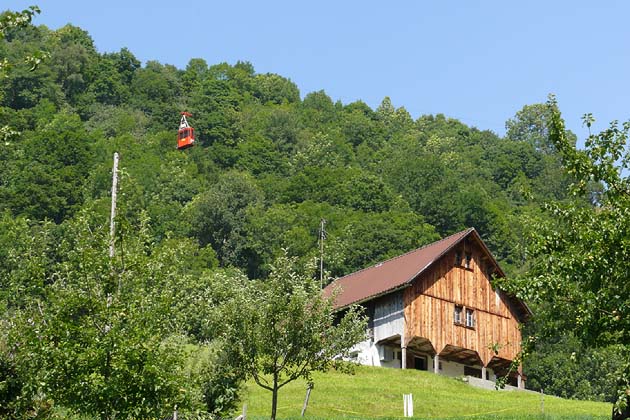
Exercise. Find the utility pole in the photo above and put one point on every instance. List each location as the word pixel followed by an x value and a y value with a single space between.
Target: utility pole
pixel 322 236
pixel 112 223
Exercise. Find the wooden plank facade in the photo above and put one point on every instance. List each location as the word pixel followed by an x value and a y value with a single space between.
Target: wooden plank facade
pixel 431 299
pixel 436 305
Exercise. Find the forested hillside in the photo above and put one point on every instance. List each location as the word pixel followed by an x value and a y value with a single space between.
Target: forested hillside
pixel 268 166
pixel 270 162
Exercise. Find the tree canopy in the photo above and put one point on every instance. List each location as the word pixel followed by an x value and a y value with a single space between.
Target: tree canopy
pixel 578 248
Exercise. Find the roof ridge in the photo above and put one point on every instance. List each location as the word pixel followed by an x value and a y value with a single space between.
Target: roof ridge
pixel 466 231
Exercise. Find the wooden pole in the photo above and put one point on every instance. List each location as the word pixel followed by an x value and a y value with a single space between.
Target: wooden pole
pixel 322 235
pixel 112 223
pixel 308 395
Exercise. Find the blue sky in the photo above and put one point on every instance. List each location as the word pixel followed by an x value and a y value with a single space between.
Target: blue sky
pixel 477 61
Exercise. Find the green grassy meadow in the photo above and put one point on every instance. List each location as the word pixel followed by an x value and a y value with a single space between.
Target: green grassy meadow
pixel 378 393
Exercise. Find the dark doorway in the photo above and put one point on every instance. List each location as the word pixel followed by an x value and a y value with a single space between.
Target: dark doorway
pixel 420 363
pixel 471 371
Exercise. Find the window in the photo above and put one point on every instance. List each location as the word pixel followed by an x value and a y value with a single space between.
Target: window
pixel 468 261
pixel 457 314
pixel 470 318
pixel 458 258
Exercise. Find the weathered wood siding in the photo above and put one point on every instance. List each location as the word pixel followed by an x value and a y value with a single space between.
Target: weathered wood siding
pixel 388 316
pixel 430 303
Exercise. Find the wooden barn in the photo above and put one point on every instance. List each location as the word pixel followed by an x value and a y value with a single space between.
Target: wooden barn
pixel 435 309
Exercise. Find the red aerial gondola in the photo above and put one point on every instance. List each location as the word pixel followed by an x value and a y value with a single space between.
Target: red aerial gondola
pixel 185 134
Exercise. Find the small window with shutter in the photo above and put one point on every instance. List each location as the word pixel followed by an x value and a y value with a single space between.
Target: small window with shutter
pixel 470 318
pixel 457 314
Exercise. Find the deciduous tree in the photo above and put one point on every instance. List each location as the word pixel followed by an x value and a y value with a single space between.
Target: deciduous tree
pixel 291 329
pixel 580 253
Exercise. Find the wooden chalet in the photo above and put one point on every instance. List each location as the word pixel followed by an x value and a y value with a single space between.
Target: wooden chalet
pixel 435 309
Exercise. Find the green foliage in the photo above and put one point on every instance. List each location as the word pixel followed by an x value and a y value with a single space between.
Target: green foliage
pixel 293 331
pixel 47 181
pixel 276 89
pixel 14 20
pixel 372 237
pixel 565 368
pixel 25 254
pixel 218 216
pixel 221 380
pixel 104 337
pixel 215 107
pixel 580 253
pixel 99 350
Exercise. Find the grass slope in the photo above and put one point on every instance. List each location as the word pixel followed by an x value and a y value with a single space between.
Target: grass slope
pixel 378 393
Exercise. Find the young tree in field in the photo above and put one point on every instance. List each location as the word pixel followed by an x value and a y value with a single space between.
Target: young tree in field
pixel 290 329
pixel 580 254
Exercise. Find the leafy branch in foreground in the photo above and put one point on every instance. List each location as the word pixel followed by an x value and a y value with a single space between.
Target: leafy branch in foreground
pixel 10 20
pixel 580 253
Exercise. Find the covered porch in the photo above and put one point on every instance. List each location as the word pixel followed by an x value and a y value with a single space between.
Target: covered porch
pixel 419 353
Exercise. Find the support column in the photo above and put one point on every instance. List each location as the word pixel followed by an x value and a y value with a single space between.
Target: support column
pixel 403 343
pixel 519 381
pixel 436 364
pixel 483 373
pixel 403 357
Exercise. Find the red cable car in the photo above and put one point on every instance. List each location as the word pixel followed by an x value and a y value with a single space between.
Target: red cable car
pixel 185 134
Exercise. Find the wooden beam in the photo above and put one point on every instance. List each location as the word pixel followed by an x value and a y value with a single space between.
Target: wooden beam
pixel 453 353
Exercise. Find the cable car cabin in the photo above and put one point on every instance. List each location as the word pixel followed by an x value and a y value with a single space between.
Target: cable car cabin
pixel 185 134
pixel 185 137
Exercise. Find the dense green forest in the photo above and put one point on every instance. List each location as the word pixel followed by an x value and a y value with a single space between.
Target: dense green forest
pixel 267 162
pixel 193 226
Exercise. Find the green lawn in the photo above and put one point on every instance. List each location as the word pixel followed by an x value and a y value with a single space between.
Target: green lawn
pixel 378 393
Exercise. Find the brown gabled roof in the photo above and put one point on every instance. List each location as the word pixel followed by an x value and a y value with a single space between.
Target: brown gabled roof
pixel 399 272
pixel 392 274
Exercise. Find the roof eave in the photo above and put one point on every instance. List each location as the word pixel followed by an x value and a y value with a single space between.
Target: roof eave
pixel 378 295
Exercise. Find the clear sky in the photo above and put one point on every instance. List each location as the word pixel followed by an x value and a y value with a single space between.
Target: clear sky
pixel 477 61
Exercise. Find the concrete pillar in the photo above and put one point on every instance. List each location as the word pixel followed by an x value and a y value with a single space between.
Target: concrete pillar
pixel 483 373
pixel 403 358
pixel 436 364
pixel 519 381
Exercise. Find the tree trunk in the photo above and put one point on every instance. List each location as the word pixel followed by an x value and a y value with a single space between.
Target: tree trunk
pixel 274 401
pixel 274 395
